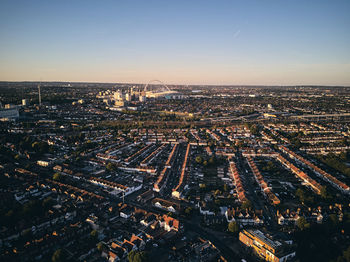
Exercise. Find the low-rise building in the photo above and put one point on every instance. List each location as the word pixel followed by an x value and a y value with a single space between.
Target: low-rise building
pixel 266 247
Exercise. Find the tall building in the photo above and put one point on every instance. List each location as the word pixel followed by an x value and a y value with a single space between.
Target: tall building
pixel 39 91
pixel 142 98
pixel 25 102
pixel 128 97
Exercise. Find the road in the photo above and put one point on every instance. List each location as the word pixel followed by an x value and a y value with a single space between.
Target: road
pixel 268 210
pixel 226 252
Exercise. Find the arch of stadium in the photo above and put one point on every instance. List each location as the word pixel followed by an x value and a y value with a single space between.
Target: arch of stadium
pixel 156 89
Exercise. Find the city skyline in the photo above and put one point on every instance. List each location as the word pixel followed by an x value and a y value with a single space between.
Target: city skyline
pixel 225 43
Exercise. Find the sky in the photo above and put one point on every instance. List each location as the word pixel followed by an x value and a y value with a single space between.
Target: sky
pixel 245 42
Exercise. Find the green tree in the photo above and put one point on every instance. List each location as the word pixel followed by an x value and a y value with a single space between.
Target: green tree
pixel 131 256
pixel 233 227
pixel 110 167
pixel 100 246
pixel 135 256
pixel 94 234
pixel 199 159
pixel 57 177
pixel 140 257
pixel 302 223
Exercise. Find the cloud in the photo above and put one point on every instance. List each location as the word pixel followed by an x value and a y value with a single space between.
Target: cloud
pixel 237 33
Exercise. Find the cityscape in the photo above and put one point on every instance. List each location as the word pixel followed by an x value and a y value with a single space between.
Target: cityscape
pixel 248 164
pixel 174 172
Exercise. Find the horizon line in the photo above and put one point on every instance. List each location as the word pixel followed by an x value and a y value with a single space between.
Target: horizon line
pixel 133 83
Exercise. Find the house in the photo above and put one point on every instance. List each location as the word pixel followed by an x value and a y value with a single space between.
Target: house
pixel 149 219
pixel 166 205
pixel 146 196
pixel 116 253
pixel 204 209
pixel 245 216
pixel 138 242
pixel 287 218
pixel 126 211
pixel 169 223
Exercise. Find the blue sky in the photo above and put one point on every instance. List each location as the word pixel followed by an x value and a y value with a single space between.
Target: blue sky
pixel 187 42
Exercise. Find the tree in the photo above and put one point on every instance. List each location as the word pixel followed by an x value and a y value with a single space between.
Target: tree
pixel 233 227
pixel 217 192
pixel 27 234
pixel 170 214
pixel 295 142
pixel 225 187
pixel 247 205
pixel 188 210
pixel 254 129
pixel 212 160
pixel 300 193
pixel 94 234
pixel 110 167
pixel 324 193
pixel 333 218
pixel 346 254
pixel 47 203
pixel 100 246
pixel 56 177
pixel 135 256
pixel 59 256
pixel 302 223
pixel 131 255
pixel 140 257
pixel 199 159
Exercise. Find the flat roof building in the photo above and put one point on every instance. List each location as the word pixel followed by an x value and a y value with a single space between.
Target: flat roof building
pixel 10 113
pixel 266 247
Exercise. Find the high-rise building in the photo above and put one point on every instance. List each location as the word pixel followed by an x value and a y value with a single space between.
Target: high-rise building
pixel 25 102
pixel 39 91
pixel 142 98
pixel 128 97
